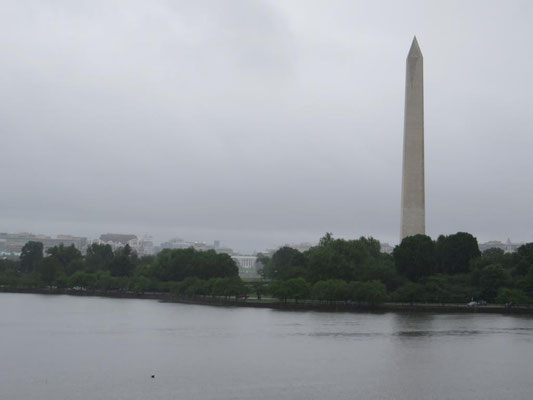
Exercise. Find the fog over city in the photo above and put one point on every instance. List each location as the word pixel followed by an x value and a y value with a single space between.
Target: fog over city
pixel 258 123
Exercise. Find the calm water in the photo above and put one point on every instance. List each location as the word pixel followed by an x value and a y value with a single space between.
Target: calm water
pixel 61 347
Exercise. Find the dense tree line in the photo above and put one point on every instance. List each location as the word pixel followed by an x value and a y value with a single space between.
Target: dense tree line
pixel 450 269
pixel 176 265
pixel 103 269
pixel 348 260
pixel 214 287
pixel 331 290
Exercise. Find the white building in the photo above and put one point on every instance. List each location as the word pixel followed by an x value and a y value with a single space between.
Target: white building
pixel 386 248
pixel 178 243
pixel 247 266
pixel 507 247
pixel 143 247
pixel 245 262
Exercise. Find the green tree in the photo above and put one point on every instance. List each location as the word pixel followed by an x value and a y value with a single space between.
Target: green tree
pixel 286 263
pixel 491 278
pixel 141 284
pixel 258 288
pixel 9 278
pixel 326 240
pixel 455 252
pixel 48 269
pixel 330 290
pixel 105 281
pixel 526 252
pixel 178 264
pixel 522 260
pixel 209 264
pixel 415 257
pixel 295 288
pixel 29 281
pixel 66 256
pixel 371 292
pixel 521 267
pixel 494 254
pixel 443 288
pixel 234 286
pixel 145 270
pixel 410 293
pixel 264 263
pixel 31 256
pixel 216 286
pixel 299 288
pixel 9 265
pixel 82 279
pixel 98 256
pixel 280 290
pixel 384 272
pixel 123 262
pixel 528 281
pixel 343 259
pixel 508 295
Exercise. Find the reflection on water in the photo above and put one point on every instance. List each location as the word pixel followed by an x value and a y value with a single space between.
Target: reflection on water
pixel 364 335
pixel 413 322
pixel 437 333
pixel 55 347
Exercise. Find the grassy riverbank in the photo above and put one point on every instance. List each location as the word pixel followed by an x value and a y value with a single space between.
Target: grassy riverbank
pixel 308 305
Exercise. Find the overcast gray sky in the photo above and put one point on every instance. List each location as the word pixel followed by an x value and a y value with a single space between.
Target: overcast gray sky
pixel 261 122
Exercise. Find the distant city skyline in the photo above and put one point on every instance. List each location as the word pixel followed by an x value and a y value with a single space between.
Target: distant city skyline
pixel 204 244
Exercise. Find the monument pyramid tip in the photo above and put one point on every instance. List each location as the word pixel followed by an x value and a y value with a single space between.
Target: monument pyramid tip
pixel 414 51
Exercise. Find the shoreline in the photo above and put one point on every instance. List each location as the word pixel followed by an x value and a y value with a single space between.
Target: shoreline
pixel 288 306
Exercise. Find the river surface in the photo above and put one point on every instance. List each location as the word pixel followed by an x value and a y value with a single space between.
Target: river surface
pixel 67 347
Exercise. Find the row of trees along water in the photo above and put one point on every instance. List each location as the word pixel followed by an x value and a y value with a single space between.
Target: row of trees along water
pixel 102 269
pixel 450 269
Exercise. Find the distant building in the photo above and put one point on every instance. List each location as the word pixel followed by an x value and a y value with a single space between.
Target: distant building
pixel 143 246
pixel 225 250
pixel 507 247
pixel 201 246
pixel 248 265
pixel 79 242
pixel 386 248
pixel 14 242
pixel 245 262
pixel 114 245
pixel 117 238
pixel 178 243
pixel 301 247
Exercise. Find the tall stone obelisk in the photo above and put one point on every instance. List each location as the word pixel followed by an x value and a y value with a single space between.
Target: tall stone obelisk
pixel 413 197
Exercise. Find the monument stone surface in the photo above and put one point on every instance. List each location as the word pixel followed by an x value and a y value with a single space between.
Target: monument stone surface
pixel 413 192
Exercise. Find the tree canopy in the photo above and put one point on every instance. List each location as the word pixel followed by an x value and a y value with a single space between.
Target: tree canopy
pixel 415 257
pixel 455 252
pixel 178 264
pixel 30 256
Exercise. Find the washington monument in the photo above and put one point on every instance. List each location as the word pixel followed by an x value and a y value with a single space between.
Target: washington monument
pixel 413 197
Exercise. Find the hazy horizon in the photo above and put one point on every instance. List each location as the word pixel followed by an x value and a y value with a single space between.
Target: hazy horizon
pixel 261 123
